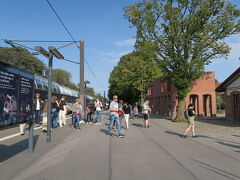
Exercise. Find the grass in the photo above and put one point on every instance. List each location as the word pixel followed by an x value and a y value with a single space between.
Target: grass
pixel 220 111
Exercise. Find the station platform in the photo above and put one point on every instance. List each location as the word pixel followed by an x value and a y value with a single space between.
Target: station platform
pixel 144 153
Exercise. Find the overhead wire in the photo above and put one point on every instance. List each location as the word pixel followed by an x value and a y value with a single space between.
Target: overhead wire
pixel 93 74
pixel 39 41
pixel 65 45
pixel 36 51
pixel 73 41
pixel 62 22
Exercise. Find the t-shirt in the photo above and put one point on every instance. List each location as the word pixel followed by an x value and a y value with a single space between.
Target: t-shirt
pixel 38 105
pixel 126 110
pixel 114 105
pixel 98 106
pixel 61 104
pixel 145 108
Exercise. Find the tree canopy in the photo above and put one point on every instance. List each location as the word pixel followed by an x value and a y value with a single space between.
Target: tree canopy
pixel 186 35
pixel 63 77
pixel 21 58
pixel 132 75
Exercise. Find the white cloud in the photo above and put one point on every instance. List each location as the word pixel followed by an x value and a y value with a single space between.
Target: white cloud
pixel 114 56
pixel 127 42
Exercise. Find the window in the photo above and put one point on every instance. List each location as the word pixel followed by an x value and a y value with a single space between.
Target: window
pixel 45 85
pixel 39 84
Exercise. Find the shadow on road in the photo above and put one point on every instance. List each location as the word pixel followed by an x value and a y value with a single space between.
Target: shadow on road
pixel 173 133
pixel 137 124
pixel 236 135
pixel 217 170
pixel 105 131
pixel 218 121
pixel 230 145
pixel 7 152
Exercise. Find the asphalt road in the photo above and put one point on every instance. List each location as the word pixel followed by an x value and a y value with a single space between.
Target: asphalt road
pixel 155 153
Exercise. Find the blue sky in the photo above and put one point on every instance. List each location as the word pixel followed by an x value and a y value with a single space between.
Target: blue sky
pixel 100 24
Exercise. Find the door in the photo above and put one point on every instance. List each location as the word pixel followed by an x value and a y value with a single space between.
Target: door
pixel 236 101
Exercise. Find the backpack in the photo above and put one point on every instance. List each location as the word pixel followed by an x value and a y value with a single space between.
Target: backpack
pixel 186 114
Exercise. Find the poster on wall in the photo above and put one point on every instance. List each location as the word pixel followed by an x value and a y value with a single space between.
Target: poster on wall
pixel 26 81
pixel 9 79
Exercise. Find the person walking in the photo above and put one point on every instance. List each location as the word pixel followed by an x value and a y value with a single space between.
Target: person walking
pixel 76 112
pixel 98 106
pixel 190 119
pixel 146 109
pixel 37 107
pixel 127 111
pixel 114 117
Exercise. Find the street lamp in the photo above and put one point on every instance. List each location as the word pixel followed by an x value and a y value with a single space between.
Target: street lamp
pixel 49 54
pixel 85 97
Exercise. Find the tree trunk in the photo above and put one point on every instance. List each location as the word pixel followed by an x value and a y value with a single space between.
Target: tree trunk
pixel 180 109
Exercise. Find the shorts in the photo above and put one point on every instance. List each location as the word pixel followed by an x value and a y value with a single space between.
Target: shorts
pixel 191 120
pixel 145 116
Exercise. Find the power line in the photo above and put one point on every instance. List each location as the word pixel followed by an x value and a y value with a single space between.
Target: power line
pixel 70 61
pixel 35 50
pixel 62 22
pixel 21 45
pixel 93 74
pixel 65 45
pixel 73 40
pixel 40 41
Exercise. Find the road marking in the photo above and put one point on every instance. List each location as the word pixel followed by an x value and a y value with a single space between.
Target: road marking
pixel 18 134
pixel 14 135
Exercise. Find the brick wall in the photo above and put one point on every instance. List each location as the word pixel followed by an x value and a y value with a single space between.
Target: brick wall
pixel 161 93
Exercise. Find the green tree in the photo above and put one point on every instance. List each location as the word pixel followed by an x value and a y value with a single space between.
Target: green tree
pixel 90 91
pixel 185 34
pixel 21 58
pixel 63 77
pixel 99 96
pixel 130 78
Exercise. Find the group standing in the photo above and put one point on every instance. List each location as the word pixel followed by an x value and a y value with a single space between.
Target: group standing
pixel 120 114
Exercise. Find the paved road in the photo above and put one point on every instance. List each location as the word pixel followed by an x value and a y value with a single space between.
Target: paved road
pixel 154 153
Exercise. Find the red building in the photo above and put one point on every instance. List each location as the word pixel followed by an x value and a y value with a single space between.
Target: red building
pixel 161 93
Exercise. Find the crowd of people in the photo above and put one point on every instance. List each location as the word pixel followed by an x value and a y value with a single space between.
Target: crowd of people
pixel 120 113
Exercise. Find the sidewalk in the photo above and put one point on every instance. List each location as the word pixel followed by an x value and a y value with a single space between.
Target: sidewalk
pixel 145 153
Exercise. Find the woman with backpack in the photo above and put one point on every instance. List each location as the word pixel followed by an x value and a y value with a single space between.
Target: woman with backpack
pixel 189 114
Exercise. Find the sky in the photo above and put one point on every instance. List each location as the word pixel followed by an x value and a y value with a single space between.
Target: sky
pixel 100 23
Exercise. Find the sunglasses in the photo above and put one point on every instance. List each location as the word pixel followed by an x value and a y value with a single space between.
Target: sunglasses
pixel 115 98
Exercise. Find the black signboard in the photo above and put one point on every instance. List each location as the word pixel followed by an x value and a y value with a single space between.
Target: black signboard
pixel 16 93
pixel 9 78
pixel 26 81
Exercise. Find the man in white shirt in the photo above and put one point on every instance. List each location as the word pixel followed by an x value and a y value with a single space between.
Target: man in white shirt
pixel 37 107
pixel 114 117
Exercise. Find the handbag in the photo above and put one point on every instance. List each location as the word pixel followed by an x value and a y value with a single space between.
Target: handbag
pixel 120 113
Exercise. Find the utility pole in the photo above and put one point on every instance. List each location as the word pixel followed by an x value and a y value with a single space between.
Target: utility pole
pixel 82 90
pixel 49 121
pixel 104 98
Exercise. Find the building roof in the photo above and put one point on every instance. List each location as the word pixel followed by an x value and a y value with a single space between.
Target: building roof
pixel 229 80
